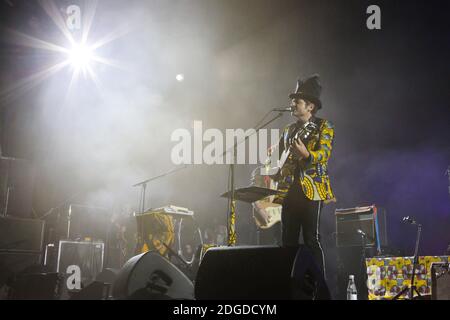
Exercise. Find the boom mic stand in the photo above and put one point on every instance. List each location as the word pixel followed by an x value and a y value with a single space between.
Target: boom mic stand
pixel 362 273
pixel 231 219
pixel 144 183
pixel 413 288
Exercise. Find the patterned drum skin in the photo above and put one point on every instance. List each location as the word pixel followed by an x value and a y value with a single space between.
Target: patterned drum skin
pixel 155 232
pixel 388 276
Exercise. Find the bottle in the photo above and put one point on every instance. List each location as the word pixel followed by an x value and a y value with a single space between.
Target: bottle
pixel 352 294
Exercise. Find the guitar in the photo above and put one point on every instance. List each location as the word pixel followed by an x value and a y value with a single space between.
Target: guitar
pixel 266 213
pixel 304 132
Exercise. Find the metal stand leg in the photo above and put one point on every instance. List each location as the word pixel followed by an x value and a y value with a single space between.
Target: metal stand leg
pixel 413 288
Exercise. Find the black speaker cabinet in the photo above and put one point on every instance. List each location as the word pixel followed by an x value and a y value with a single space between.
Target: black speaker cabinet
pixel 86 255
pixel 354 223
pixel 16 187
pixel 13 264
pixel 35 286
pixel 440 281
pixel 24 235
pixel 256 273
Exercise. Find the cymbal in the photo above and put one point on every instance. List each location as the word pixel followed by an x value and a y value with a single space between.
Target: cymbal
pixel 251 194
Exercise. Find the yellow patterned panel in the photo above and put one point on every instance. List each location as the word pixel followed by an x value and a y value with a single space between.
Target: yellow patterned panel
pixel 388 276
pixel 232 225
pixel 156 231
pixel 308 187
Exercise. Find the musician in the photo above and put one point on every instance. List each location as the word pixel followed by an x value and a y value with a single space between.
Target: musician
pixel 304 178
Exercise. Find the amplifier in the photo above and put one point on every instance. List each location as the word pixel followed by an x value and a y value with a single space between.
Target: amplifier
pixel 21 235
pixel 15 263
pixel 80 259
pixel 361 224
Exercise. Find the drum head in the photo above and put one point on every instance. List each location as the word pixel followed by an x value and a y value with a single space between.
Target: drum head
pixel 189 239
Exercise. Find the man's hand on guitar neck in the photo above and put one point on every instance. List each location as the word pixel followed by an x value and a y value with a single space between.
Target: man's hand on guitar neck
pixel 300 150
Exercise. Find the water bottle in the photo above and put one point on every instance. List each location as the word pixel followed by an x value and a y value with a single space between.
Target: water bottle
pixel 352 294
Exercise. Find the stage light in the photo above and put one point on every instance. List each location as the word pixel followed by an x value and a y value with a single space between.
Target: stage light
pixel 180 77
pixel 80 56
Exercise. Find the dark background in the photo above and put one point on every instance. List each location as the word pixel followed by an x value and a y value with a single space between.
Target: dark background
pixel 385 90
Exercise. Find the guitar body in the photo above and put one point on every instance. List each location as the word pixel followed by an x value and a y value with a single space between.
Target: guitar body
pixel 266 213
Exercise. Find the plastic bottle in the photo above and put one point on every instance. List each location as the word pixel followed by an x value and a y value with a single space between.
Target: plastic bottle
pixel 352 294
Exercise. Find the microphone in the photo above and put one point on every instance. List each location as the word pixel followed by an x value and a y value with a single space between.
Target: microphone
pixel 361 233
pixel 409 220
pixel 288 109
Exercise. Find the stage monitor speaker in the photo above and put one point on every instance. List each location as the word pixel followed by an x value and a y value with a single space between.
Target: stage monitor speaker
pixel 259 273
pixel 150 276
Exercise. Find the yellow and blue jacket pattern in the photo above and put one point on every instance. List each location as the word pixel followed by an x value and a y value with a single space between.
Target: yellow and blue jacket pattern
pixel 311 173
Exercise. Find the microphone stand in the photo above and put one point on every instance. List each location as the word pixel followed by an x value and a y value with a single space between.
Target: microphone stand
pixel 231 217
pixel 415 263
pixel 363 260
pixel 143 184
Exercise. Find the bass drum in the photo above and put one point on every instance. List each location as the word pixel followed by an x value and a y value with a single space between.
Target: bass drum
pixel 189 237
pixel 151 276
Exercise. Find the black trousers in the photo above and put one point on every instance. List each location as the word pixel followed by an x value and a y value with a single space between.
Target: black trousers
pixel 300 213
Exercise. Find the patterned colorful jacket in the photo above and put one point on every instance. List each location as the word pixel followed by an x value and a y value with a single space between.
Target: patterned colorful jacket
pixel 313 172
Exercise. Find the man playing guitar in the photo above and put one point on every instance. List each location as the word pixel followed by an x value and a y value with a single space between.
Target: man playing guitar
pixel 303 178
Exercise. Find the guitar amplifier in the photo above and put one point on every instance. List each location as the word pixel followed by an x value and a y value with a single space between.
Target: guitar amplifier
pixel 20 245
pixel 361 224
pixel 21 235
pixel 85 256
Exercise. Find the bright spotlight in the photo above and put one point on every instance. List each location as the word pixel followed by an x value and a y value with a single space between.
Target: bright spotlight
pixel 179 77
pixel 80 56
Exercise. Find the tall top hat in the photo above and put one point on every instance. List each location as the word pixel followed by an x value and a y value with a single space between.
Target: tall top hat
pixel 309 89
